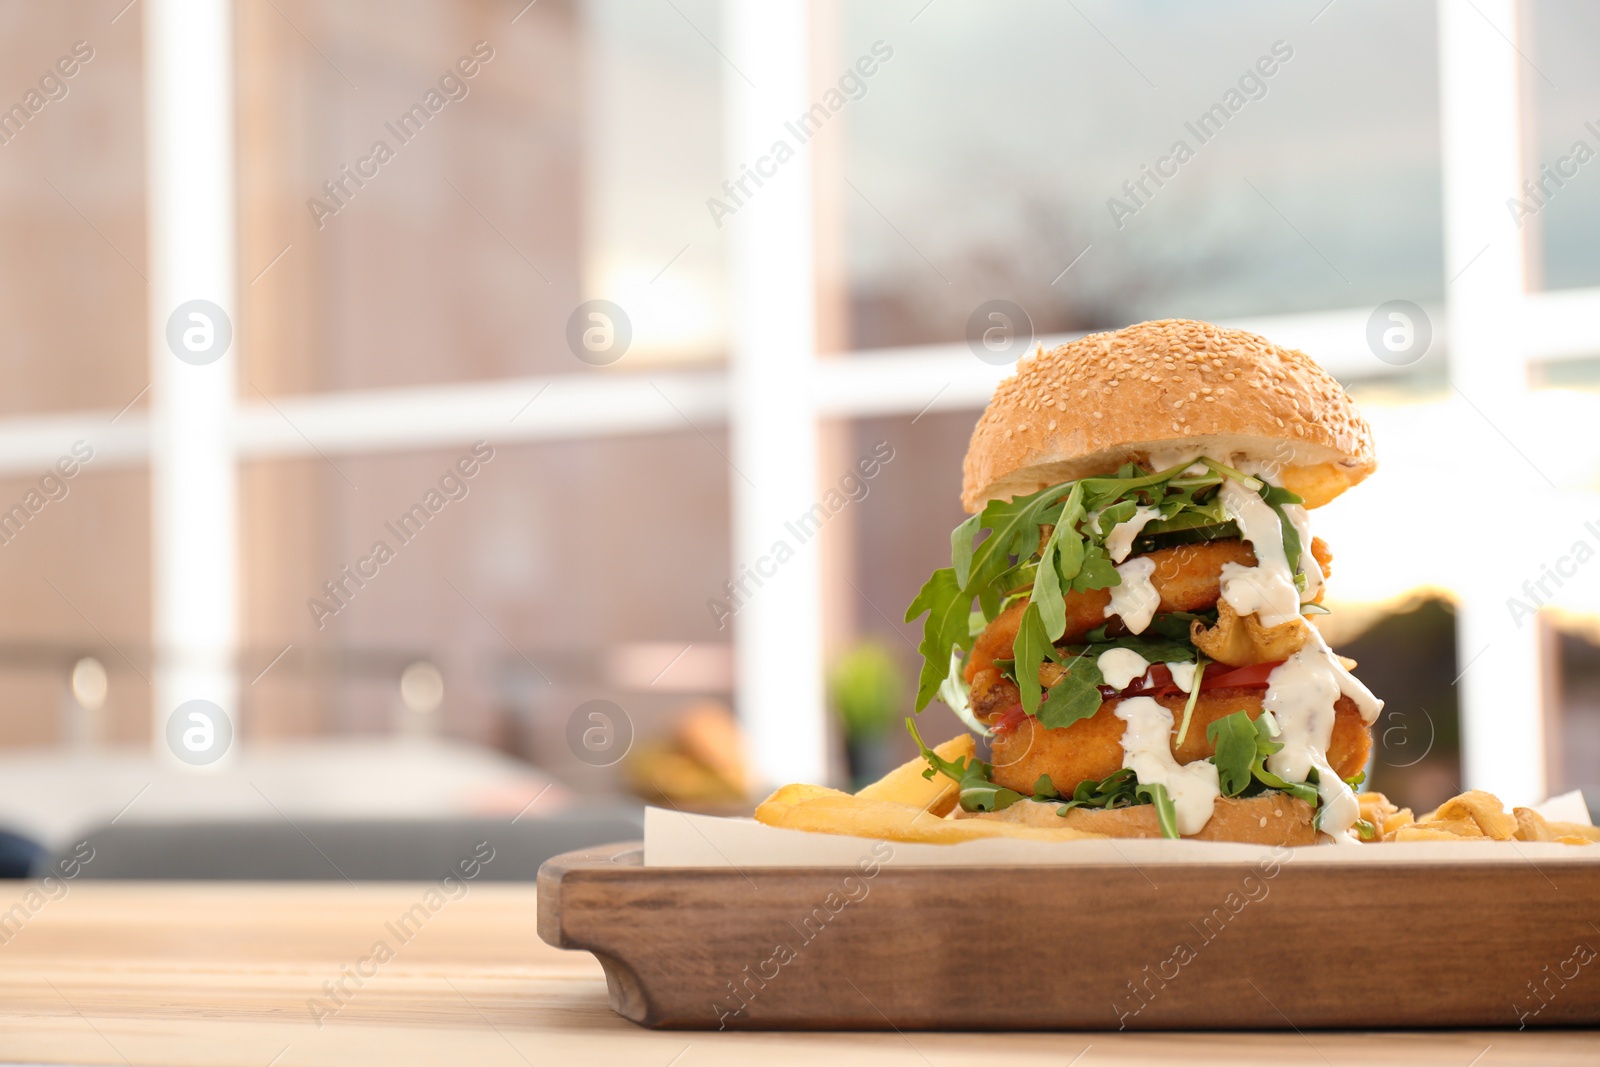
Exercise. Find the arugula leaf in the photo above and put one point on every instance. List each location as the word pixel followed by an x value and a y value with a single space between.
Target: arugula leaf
pixel 976 791
pixel 1241 778
pixel 1096 571
pixel 1239 476
pixel 1276 499
pixel 1122 790
pixel 1046 595
pixel 961 549
pixel 937 764
pixel 1116 790
pixel 980 794
pixel 1172 625
pixel 1013 527
pixel 947 626
pixel 1236 739
pixel 1306 791
pixel 1166 811
pixel 1030 650
pixel 1156 650
pixel 1121 511
pixel 1045 789
pixel 1075 696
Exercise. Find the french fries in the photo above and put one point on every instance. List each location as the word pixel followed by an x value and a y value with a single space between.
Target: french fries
pixel 1531 826
pixel 855 816
pixel 906 785
pixel 900 806
pixel 1472 816
pixel 905 806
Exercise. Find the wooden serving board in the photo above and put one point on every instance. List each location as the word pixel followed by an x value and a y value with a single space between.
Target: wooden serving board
pixel 1103 947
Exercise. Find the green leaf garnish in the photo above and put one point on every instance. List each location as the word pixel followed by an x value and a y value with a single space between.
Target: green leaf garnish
pixel 1166 811
pixel 1242 748
pixel 1076 696
pixel 1194 696
pixel 977 792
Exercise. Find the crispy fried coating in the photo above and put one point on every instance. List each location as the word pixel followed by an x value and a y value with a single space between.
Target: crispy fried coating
pixel 1187 577
pixel 1091 748
pixel 1324 556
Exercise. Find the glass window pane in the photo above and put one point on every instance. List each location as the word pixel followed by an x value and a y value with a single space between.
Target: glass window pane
pixel 443 221
pixel 551 575
pixel 1000 142
pixel 1561 213
pixel 74 575
pixel 72 236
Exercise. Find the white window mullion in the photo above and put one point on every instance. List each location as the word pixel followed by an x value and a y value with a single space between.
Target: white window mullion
pixel 189 148
pixel 1502 685
pixel 773 426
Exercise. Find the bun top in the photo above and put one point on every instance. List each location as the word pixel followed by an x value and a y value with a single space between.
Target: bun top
pixel 1162 392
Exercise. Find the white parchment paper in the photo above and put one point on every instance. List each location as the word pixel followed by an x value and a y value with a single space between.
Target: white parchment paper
pixel 679 839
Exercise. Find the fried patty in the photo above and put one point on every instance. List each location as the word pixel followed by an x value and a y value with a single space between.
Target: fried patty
pixel 1091 749
pixel 1187 578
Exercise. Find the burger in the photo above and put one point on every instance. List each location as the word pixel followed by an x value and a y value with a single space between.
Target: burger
pixel 1126 612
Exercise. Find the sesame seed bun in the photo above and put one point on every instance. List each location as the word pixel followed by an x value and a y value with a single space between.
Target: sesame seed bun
pixel 1170 390
pixel 1268 819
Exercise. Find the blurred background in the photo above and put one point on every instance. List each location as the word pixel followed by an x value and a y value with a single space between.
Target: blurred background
pixel 645 338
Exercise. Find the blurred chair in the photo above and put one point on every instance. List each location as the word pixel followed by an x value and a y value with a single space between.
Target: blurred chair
pixel 403 850
pixel 20 856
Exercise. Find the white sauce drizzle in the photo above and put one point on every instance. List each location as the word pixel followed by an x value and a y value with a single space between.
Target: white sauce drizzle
pixel 1135 599
pixel 1119 542
pixel 1349 685
pixel 1119 666
pixel 1162 459
pixel 1309 566
pixel 1267 589
pixel 1182 675
pixel 1147 750
pixel 1301 695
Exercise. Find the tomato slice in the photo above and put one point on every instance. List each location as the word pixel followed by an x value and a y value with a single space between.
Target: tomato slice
pixel 1009 720
pixel 1157 681
pixel 1254 676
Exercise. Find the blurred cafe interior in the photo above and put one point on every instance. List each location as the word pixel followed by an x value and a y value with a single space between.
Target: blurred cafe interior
pixel 403 428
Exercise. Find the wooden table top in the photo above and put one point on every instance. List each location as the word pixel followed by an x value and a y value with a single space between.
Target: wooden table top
pixel 249 974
